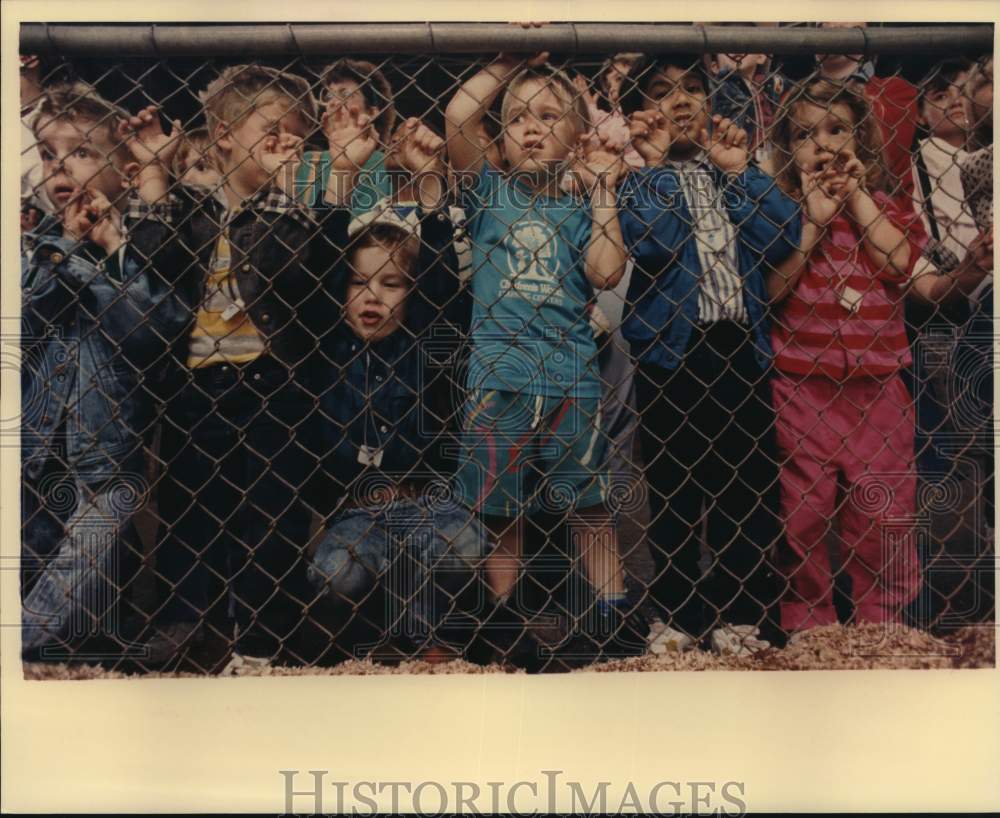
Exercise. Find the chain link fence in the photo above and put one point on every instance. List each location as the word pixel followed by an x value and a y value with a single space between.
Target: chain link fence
pixel 632 341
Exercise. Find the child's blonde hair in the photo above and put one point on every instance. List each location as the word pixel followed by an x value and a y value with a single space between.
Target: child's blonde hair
pixel 983 67
pixel 827 93
pixel 240 89
pixel 78 101
pixel 561 85
pixel 198 142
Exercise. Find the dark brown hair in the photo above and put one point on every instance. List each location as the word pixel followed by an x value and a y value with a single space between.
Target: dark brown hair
pixel 374 87
pixel 403 246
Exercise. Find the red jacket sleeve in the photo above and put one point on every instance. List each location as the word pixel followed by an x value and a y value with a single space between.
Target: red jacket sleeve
pixel 894 103
pixel 907 220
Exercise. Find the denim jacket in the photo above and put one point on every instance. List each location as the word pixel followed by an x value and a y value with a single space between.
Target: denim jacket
pixel 662 303
pixel 279 251
pixel 92 340
pixel 397 395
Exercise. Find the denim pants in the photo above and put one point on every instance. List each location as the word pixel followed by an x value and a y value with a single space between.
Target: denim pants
pixel 423 555
pixel 71 555
pixel 237 452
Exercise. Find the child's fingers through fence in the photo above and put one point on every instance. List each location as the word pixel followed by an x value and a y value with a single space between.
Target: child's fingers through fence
pixel 531 59
pixel 649 136
pixel 143 134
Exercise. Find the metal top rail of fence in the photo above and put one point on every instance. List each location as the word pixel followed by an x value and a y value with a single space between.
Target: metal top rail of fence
pixel 454 38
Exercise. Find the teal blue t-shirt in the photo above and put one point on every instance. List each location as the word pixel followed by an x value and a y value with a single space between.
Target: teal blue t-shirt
pixel 313 175
pixel 530 326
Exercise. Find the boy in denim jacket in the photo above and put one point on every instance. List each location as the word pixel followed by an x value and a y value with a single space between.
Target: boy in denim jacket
pixel 92 322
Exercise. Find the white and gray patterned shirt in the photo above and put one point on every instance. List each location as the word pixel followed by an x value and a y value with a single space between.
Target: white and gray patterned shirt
pixel 721 293
pixel 977 182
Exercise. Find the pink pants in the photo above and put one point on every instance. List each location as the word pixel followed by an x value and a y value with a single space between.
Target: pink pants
pixel 861 432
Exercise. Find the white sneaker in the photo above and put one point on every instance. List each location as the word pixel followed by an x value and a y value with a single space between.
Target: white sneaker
pixel 663 638
pixel 738 640
pixel 240 665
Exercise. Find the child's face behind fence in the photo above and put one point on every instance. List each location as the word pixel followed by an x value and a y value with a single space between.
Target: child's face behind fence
pixel 681 97
pixel 196 169
pixel 240 148
pixel 376 293
pixel 944 109
pixel 347 92
pixel 540 128
pixel 77 155
pixel 615 76
pixel 818 135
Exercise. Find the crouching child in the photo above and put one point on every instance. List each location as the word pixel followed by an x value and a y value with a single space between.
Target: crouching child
pixel 399 551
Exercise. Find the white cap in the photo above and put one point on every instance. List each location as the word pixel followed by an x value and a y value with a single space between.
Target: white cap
pixel 402 216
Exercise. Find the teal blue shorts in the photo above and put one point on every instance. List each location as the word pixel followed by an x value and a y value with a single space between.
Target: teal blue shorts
pixel 527 453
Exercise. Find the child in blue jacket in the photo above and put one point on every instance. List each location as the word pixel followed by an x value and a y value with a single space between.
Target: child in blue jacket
pixel 702 224
pixel 93 328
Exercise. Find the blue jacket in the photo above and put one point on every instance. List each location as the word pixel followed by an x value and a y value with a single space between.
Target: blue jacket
pixel 662 302
pixel 396 395
pixel 93 333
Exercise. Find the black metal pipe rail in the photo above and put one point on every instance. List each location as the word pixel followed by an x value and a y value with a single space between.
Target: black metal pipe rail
pixel 152 40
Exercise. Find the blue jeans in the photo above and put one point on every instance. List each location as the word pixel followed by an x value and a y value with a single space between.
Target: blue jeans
pixel 423 555
pixel 72 547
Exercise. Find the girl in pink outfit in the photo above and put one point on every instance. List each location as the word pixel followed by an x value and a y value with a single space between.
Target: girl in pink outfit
pixel 844 414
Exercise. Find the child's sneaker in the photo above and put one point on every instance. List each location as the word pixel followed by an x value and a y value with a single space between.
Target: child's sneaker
pixel 662 638
pixel 505 638
pixel 738 640
pixel 240 665
pixel 619 634
pixel 169 641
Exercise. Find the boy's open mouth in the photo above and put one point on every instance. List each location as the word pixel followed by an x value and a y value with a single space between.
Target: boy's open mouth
pixel 371 318
pixel 62 194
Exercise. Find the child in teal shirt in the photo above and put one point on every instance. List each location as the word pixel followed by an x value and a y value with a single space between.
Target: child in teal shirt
pixel 531 433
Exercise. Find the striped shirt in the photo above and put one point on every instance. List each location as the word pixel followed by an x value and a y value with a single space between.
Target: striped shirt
pixel 845 317
pixel 223 331
pixel 721 293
